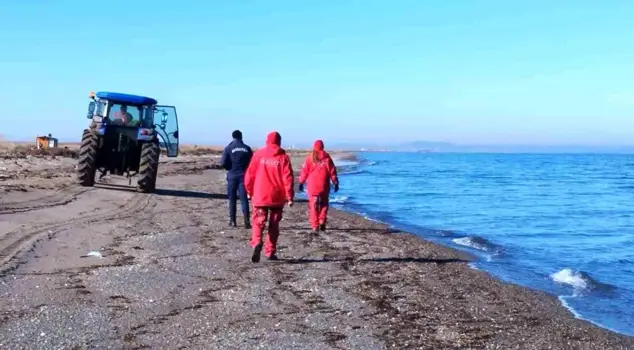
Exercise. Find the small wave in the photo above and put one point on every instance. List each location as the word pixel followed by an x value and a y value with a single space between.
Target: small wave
pixel 623 261
pixel 444 233
pixel 352 172
pixel 575 279
pixel 346 159
pixel 353 161
pixel 345 163
pixel 580 281
pixel 478 243
pixel 338 199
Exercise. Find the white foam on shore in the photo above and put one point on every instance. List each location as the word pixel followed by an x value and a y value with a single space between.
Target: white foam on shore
pixel 338 199
pixel 564 302
pixel 341 163
pixel 563 299
pixel 367 217
pixel 473 267
pixel 467 242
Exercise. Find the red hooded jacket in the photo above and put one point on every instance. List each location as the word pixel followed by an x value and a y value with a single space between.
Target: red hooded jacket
pixel 269 177
pixel 319 170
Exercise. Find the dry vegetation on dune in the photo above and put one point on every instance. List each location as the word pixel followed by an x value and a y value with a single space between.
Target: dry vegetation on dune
pixel 195 150
pixel 10 150
pixel 6 145
pixel 17 150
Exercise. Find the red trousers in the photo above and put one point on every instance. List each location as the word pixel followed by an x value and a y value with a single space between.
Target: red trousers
pixel 318 209
pixel 258 221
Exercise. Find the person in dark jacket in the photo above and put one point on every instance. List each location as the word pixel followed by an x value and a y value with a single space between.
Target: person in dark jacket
pixel 235 159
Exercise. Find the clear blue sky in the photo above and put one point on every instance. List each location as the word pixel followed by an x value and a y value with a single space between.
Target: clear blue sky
pixel 542 72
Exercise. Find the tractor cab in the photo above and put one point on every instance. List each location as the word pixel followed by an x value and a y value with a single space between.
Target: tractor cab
pixel 136 117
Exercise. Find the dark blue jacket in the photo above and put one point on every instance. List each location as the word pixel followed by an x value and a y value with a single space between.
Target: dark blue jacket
pixel 236 158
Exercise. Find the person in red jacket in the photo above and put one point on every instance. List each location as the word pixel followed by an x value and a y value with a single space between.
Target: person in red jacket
pixel 319 170
pixel 269 184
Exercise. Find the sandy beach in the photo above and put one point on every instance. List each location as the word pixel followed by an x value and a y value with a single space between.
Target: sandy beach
pixel 109 268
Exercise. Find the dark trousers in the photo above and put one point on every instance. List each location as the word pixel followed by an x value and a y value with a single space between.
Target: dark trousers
pixel 235 189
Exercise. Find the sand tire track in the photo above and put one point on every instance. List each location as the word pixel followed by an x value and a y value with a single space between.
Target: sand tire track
pixel 61 197
pixel 16 242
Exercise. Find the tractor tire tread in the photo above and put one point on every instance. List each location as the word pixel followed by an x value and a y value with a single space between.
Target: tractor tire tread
pixel 86 166
pixel 148 167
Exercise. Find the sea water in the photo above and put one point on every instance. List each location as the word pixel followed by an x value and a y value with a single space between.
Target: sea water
pixel 563 224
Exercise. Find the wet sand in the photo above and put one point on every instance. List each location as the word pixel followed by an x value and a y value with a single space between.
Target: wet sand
pixel 173 275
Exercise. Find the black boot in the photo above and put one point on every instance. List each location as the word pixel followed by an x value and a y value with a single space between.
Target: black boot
pixel 247 223
pixel 256 253
pixel 322 227
pixel 232 223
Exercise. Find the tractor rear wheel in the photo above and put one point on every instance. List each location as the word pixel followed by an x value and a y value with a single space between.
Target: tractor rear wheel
pixel 87 164
pixel 148 168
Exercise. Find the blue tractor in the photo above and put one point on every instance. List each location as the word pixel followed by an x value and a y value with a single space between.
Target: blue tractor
pixel 125 138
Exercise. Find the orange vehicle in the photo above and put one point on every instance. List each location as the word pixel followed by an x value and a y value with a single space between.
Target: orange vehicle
pixel 46 142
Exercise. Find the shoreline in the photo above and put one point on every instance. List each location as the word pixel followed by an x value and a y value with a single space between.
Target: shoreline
pixel 357 160
pixel 474 259
pixel 557 309
pixel 174 275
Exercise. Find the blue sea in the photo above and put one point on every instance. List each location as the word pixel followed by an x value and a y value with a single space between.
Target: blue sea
pixel 563 224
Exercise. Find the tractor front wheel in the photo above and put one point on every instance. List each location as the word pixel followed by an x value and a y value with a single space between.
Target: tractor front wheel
pixel 86 166
pixel 148 168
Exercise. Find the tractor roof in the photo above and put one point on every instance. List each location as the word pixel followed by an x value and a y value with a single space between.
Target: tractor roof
pixel 127 99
